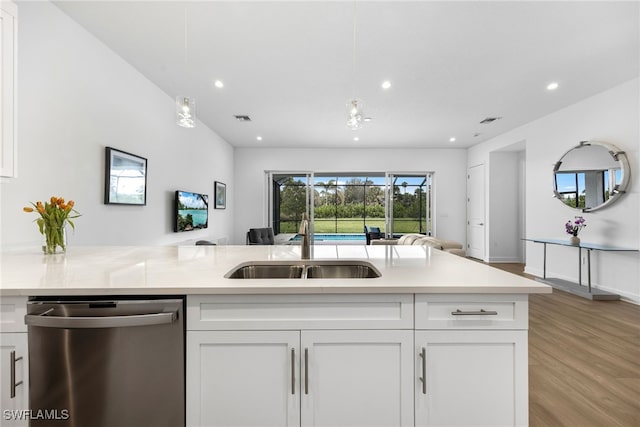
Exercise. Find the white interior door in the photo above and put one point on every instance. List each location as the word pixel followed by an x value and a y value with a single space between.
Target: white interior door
pixel 476 212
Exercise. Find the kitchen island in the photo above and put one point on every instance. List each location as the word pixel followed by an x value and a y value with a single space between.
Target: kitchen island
pixel 436 340
pixel 192 270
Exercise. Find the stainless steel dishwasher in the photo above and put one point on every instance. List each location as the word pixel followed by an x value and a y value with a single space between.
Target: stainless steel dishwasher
pixel 106 362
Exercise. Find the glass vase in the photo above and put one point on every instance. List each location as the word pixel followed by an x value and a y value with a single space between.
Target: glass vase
pixel 575 240
pixel 54 240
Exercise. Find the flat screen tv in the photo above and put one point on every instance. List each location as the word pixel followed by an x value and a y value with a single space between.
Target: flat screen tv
pixel 192 211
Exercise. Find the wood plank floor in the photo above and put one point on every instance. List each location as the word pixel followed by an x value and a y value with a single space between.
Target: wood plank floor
pixel 584 360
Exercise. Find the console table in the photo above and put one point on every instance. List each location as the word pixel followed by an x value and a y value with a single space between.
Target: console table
pixel 578 288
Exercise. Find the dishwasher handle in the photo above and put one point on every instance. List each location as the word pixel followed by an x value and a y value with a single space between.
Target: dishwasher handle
pixel 83 322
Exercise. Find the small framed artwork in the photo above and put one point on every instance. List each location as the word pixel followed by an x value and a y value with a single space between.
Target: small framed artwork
pixel 125 181
pixel 220 195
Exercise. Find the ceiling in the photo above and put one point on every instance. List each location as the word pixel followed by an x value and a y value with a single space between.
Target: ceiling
pixel 292 66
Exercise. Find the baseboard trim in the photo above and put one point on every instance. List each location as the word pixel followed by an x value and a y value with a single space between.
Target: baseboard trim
pixel 505 260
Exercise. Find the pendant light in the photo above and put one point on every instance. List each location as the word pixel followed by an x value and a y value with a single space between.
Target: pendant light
pixel 185 106
pixel 185 112
pixel 354 106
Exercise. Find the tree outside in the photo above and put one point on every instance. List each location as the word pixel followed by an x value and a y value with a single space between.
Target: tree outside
pixel 346 204
pixel 292 205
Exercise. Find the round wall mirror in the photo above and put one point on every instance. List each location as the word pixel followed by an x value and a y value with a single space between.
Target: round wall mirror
pixel 591 176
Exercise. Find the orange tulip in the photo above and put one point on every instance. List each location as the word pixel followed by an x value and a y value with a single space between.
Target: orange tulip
pixel 54 213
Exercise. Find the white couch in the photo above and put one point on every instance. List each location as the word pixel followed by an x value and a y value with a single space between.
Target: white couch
pixel 420 239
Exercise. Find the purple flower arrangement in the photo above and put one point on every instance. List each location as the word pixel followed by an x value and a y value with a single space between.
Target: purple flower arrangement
pixel 574 227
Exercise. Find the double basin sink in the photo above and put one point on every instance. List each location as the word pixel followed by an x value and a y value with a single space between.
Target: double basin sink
pixel 304 269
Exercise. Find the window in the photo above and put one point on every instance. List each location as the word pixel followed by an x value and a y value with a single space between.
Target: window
pixel 289 198
pixel 411 203
pixel 339 203
pixel 582 189
pixel 570 185
pixel 348 203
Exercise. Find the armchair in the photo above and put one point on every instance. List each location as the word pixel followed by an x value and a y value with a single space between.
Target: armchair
pixel 372 233
pixel 260 236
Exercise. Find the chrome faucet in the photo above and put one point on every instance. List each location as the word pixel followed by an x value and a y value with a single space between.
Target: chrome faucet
pixel 304 232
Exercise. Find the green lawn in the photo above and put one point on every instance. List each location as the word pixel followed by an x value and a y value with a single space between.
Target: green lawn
pixel 356 225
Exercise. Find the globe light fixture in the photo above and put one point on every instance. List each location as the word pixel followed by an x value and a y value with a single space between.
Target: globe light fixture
pixel 185 112
pixel 355 119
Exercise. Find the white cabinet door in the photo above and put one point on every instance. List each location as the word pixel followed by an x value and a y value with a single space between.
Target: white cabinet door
pixel 471 378
pixel 243 378
pixel 14 395
pixel 357 378
pixel 8 79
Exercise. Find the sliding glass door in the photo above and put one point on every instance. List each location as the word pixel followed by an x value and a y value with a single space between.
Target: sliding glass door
pixel 341 203
pixel 408 203
pixel 346 203
pixel 290 195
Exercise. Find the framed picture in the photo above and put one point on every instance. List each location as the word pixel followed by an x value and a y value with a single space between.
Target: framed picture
pixel 220 195
pixel 192 211
pixel 125 180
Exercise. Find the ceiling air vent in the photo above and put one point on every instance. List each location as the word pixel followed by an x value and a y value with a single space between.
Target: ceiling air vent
pixel 243 118
pixel 489 120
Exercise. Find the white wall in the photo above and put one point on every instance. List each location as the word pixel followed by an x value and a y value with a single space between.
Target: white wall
pixel 448 165
pixel 612 116
pixel 75 97
pixel 504 208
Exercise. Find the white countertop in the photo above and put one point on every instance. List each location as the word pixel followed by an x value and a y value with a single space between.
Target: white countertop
pixel 185 270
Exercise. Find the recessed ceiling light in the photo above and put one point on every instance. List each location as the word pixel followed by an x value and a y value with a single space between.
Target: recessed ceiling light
pixel 386 84
pixel 259 138
pixel 452 139
pixel 355 138
pixel 552 86
pixel 218 84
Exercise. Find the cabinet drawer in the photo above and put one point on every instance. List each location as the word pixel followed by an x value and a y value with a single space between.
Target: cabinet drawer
pixel 12 312
pixel 237 312
pixel 471 311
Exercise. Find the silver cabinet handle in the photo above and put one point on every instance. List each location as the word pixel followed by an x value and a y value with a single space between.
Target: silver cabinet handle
pixel 100 322
pixel 293 371
pixel 423 378
pixel 306 371
pixel 12 377
pixel 482 312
